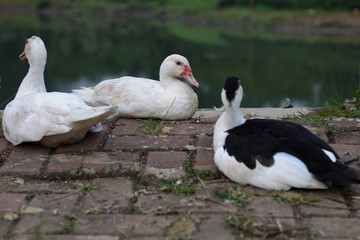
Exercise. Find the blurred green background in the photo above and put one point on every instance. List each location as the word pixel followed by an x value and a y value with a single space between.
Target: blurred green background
pixel 305 50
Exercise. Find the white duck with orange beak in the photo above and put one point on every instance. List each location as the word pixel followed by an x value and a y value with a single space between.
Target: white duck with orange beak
pixel 53 118
pixel 169 98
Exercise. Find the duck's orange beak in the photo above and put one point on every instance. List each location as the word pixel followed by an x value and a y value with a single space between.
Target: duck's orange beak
pixel 187 74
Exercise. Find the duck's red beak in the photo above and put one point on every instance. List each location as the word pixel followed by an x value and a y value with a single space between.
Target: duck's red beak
pixel 187 74
pixel 22 56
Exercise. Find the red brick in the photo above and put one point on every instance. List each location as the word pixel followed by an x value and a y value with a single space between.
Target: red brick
pixel 11 202
pixel 166 164
pixel 214 227
pixel 205 142
pixel 64 163
pixel 180 128
pixel 100 162
pixel 4 227
pixel 37 224
pixel 351 124
pixel 112 196
pixel 94 162
pixel 25 159
pixel 322 210
pixel 141 142
pixel 332 194
pixel 54 204
pixel 127 127
pixel 344 149
pixel 269 207
pixel 125 225
pixel 348 138
pixel 333 227
pixel 3 144
pixel 204 160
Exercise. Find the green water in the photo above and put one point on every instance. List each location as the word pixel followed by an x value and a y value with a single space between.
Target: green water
pixel 307 69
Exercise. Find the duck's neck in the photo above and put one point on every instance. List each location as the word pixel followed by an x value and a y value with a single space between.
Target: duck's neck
pixel 232 117
pixel 33 81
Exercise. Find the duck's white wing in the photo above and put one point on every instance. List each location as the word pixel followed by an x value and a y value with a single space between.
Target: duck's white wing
pixel 127 90
pixel 29 118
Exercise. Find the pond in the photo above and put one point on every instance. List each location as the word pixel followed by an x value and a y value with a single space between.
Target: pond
pixel 307 69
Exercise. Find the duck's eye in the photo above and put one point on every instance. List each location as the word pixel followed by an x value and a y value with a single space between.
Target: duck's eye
pixel 178 63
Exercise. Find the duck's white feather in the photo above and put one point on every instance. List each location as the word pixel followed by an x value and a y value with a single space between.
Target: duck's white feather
pixel 168 98
pixel 52 119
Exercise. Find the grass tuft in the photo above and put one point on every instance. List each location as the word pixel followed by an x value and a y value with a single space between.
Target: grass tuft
pixel 152 126
pixel 236 193
pixel 85 188
pixel 291 198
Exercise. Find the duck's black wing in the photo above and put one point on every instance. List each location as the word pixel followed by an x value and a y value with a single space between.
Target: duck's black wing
pixel 261 139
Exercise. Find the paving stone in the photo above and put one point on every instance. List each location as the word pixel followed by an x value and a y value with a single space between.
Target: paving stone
pixel 166 165
pixel 25 159
pixel 333 194
pixel 124 225
pixel 64 163
pixel 142 142
pixel 269 207
pixel 214 227
pixel 334 227
pixel 111 162
pixel 352 124
pixel 324 208
pixel 4 228
pixel 65 237
pixel 91 142
pixel 348 138
pixel 179 128
pixel 94 163
pixel 112 197
pixel 3 144
pixel 13 184
pixel 11 202
pixel 204 160
pixel 345 149
pixel 162 204
pixel 54 204
pixel 40 225
pixel 205 141
pixel 125 127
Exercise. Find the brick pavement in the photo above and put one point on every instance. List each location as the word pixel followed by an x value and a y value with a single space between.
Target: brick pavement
pixel 123 183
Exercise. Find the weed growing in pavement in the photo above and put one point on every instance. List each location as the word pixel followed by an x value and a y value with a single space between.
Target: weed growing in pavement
pixel 176 187
pixel 85 188
pixel 152 126
pixel 194 175
pixel 235 193
pixel 68 224
pixel 349 108
pixel 242 222
pixel 94 211
pixel 315 120
pixel 247 226
pixel 291 198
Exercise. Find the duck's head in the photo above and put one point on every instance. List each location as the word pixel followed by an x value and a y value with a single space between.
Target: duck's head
pixel 232 93
pixel 176 65
pixel 34 51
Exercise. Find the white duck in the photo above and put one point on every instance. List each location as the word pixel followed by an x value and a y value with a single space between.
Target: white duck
pixel 52 119
pixel 272 154
pixel 169 98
